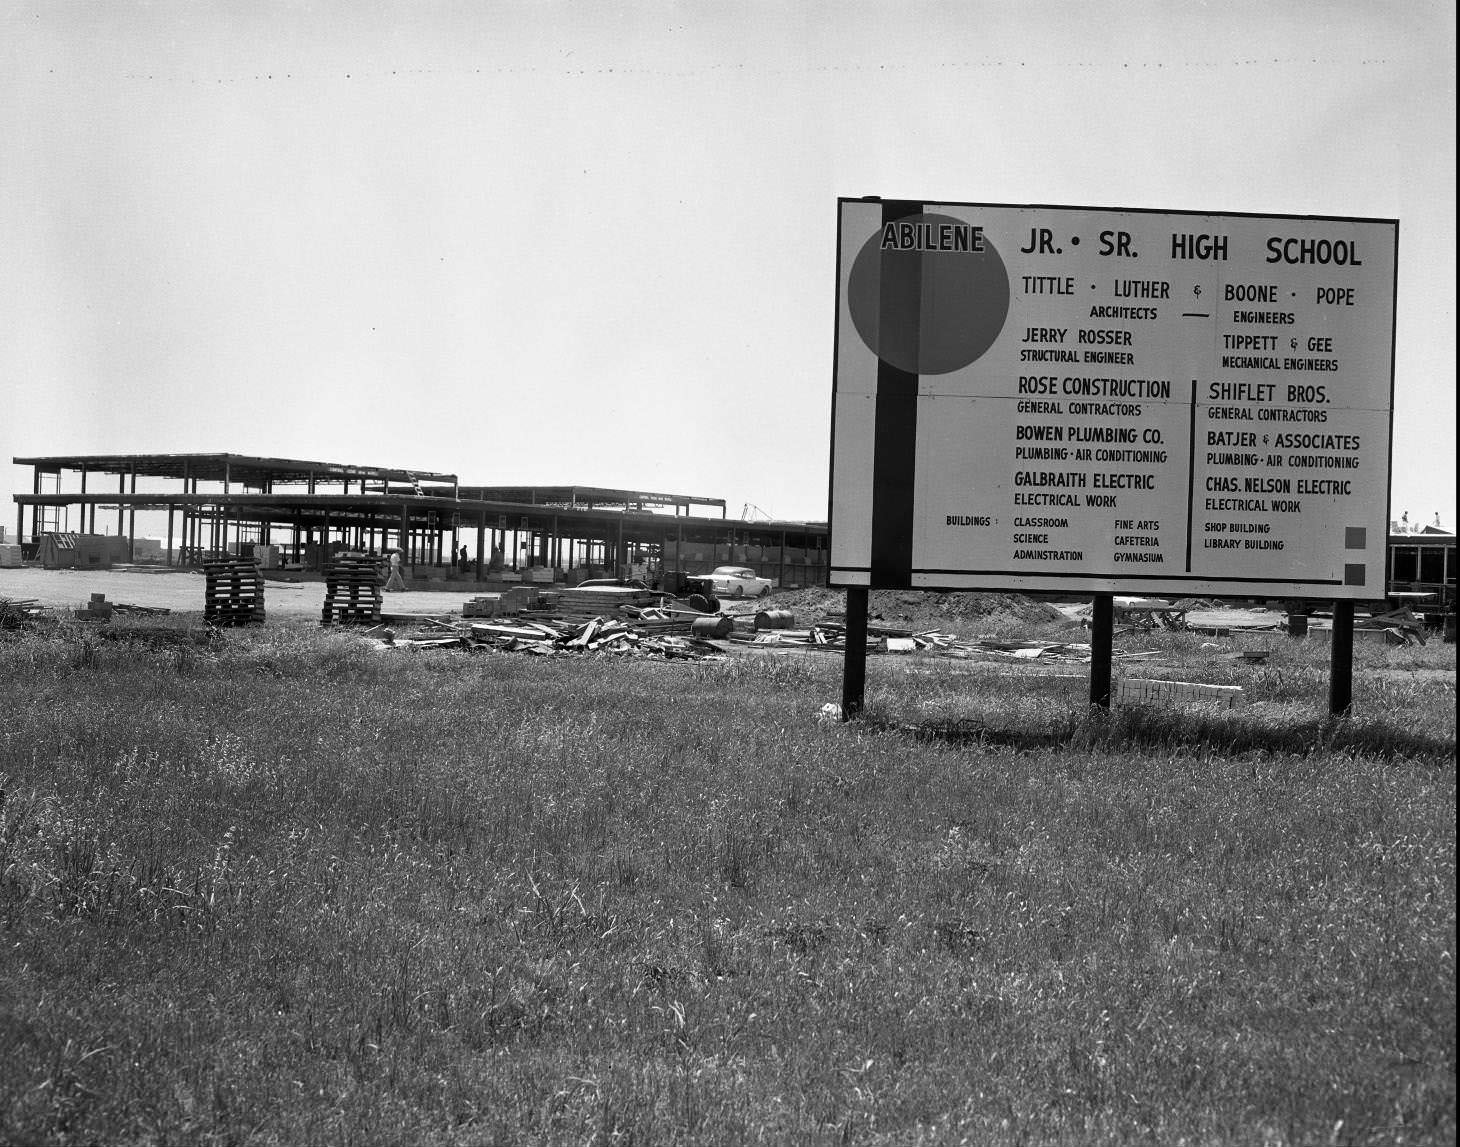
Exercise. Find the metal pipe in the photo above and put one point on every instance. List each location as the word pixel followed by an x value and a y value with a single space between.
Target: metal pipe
pixel 854 662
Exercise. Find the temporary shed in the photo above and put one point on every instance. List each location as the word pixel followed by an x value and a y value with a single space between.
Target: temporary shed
pixel 78 551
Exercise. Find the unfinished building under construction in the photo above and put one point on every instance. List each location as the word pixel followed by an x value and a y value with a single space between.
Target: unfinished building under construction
pixel 293 514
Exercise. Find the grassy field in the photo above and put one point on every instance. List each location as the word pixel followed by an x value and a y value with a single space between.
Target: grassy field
pixel 286 888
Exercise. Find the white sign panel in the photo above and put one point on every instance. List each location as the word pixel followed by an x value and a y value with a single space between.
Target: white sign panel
pixel 1058 398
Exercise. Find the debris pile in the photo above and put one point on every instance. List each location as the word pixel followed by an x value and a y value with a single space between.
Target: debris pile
pixel 1150 613
pixel 667 631
pixel 968 610
pixel 831 636
pixel 99 609
pixel 233 593
pixel 1399 626
pixel 647 633
pixel 19 614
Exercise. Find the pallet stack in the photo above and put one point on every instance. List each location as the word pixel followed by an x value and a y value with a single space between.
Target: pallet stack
pixel 352 588
pixel 234 593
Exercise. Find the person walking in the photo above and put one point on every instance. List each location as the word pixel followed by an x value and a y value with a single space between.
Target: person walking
pixel 395 581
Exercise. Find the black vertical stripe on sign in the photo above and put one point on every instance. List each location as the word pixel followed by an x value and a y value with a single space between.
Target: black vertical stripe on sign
pixel 1190 473
pixel 895 438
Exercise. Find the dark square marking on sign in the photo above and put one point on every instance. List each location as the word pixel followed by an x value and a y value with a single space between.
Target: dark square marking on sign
pixel 1353 573
pixel 1354 537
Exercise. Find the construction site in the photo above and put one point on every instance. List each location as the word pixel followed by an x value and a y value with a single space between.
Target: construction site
pixel 84 511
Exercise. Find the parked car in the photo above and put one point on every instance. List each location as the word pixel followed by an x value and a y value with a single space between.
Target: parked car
pixel 739 581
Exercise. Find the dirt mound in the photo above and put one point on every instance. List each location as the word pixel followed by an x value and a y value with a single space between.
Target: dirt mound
pixel 975 605
pixel 813 601
pixel 959 611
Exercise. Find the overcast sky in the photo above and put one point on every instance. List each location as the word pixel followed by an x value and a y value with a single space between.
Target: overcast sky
pixel 594 243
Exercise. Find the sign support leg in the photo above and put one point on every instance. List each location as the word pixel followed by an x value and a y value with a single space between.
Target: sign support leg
pixel 1341 667
pixel 854 665
pixel 1102 640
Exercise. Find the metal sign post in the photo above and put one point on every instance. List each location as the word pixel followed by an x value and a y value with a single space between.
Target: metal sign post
pixel 1341 660
pixel 1102 645
pixel 854 664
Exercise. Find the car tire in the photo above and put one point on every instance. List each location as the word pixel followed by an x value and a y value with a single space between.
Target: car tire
pixel 698 601
pixel 739 591
pixel 765 589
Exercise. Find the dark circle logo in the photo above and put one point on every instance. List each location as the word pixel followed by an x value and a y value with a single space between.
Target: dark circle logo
pixel 928 293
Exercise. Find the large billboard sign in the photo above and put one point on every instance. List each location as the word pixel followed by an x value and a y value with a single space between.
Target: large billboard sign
pixel 1067 398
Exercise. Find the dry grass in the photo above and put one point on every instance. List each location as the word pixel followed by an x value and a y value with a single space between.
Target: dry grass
pixel 285 888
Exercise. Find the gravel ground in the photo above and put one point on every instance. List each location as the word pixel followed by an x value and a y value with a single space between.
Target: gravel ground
pixel 182 591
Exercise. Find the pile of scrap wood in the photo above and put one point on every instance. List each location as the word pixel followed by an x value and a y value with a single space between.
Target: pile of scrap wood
pixel 1140 613
pixel 1149 613
pixel 652 633
pixel 831 636
pixel 99 609
pixel 19 614
pixel 667 631
pixel 1399 626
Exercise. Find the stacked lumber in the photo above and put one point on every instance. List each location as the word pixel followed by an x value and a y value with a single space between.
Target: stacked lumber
pixel 520 597
pixel 509 602
pixel 593 600
pixel 352 588
pixel 233 592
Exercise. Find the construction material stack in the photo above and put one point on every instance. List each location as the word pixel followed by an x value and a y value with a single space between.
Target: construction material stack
pixel 352 588
pixel 97 609
pixel 604 600
pixel 485 605
pixel 234 592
